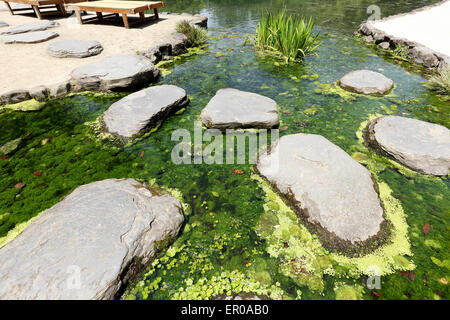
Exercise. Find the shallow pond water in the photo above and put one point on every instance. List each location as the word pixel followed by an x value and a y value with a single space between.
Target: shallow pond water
pixel 226 208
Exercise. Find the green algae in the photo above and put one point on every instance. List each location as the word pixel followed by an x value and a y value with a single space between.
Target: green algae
pixel 25 106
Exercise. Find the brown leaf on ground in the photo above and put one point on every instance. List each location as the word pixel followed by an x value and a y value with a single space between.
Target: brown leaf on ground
pixel 37 173
pixel 284 128
pixel 426 228
pixel 376 294
pixel 141 155
pixel 238 171
pixel 4 156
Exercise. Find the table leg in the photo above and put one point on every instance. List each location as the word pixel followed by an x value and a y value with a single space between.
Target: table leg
pixel 156 13
pixel 142 16
pixel 38 13
pixel 125 21
pixel 9 8
pixel 99 16
pixel 62 9
pixel 78 14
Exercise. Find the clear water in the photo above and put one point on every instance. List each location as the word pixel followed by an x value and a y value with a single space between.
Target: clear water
pixel 226 207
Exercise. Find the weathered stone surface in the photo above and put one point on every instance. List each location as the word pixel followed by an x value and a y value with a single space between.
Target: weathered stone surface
pixel 30 37
pixel 419 145
pixel 10 147
pixel 232 109
pixel 384 45
pixel 74 48
pixel 59 89
pixel 3 24
pixel 179 43
pixel 423 56
pixel 116 72
pixel 379 37
pixel 366 29
pixel 14 96
pixel 201 21
pixel 90 244
pixel 153 54
pixel 444 64
pixel 366 82
pixel 32 27
pixel 143 110
pixel 368 39
pixel 325 185
pixel 39 93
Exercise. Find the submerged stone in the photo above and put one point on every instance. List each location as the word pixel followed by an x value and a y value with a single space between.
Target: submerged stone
pixel 31 27
pixel 325 185
pixel 90 244
pixel 232 109
pixel 74 48
pixel 143 110
pixel 366 82
pixel 419 145
pixel 116 72
pixel 10 147
pixel 30 37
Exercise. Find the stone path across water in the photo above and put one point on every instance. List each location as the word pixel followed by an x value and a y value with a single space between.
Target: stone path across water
pixel 90 244
pixel 232 109
pixel 420 145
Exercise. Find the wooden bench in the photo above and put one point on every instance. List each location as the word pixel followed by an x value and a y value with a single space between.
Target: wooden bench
pixel 38 5
pixel 116 7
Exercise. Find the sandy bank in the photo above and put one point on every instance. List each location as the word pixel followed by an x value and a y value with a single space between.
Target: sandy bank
pixel 24 66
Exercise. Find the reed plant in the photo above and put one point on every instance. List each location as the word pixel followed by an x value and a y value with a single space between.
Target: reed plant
pixel 290 37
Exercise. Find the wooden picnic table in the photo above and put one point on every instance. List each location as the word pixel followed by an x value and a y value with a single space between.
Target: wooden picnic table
pixel 38 5
pixel 116 7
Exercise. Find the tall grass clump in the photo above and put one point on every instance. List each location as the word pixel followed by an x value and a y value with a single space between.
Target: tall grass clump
pixel 196 36
pixel 286 36
pixel 440 83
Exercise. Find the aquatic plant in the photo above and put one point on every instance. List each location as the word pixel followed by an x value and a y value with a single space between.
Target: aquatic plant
pixel 440 83
pixel 288 36
pixel 196 36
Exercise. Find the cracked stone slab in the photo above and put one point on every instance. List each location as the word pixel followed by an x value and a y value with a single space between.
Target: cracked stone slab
pixel 74 48
pixel 115 72
pixel 30 37
pixel 325 185
pixel 88 245
pixel 419 145
pixel 32 27
pixel 366 82
pixel 232 109
pixel 143 110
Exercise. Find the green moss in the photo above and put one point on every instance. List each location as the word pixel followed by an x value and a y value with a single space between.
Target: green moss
pixel 24 106
pixel 348 292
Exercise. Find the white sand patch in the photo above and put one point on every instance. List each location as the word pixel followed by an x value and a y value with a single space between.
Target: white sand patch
pixel 430 27
pixel 23 66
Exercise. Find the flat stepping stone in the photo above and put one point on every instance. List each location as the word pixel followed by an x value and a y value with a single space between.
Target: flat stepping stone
pixel 419 145
pixel 325 185
pixel 366 82
pixel 74 48
pixel 143 110
pixel 116 72
pixel 90 244
pixel 30 37
pixel 3 24
pixel 31 27
pixel 232 109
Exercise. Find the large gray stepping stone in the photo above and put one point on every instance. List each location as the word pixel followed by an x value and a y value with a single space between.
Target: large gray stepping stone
pixel 419 145
pixel 31 27
pixel 3 24
pixel 325 185
pixel 30 37
pixel 366 82
pixel 116 72
pixel 74 48
pixel 89 245
pixel 143 110
pixel 232 108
